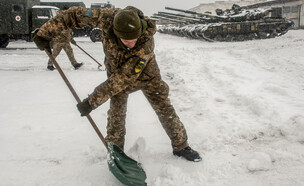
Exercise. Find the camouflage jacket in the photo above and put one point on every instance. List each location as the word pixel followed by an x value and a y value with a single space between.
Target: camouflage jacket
pixel 124 66
pixel 64 37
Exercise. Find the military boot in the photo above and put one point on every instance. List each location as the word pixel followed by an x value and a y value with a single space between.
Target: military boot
pixel 188 153
pixel 77 65
pixel 51 67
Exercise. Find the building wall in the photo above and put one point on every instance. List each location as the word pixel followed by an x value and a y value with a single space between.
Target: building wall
pixel 302 16
pixel 291 9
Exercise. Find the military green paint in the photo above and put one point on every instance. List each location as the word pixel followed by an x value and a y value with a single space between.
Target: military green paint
pixel 19 18
pixel 125 169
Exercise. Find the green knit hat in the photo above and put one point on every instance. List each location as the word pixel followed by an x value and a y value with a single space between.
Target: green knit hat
pixel 127 25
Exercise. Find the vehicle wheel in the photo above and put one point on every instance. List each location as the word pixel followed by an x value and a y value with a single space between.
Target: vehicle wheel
pixel 273 34
pixel 95 35
pixel 229 38
pixel 218 37
pixel 240 37
pixel 207 34
pixel 262 35
pixel 4 40
pixel 251 36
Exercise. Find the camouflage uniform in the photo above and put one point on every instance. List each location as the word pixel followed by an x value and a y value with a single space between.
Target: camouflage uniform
pixel 63 42
pixel 128 70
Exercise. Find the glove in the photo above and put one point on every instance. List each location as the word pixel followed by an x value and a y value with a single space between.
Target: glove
pixel 42 43
pixel 84 107
pixel 73 42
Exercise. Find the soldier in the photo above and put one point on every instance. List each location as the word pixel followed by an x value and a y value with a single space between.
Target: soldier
pixel 60 42
pixel 130 61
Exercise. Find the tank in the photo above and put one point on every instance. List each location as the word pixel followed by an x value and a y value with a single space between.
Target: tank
pixel 235 24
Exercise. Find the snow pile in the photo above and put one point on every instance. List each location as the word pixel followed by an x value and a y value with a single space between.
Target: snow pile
pixel 259 162
pixel 294 129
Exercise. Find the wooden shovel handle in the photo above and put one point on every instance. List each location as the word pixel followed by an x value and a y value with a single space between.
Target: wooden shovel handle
pixel 65 79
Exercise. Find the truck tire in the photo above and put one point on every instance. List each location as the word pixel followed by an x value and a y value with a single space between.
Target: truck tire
pixel 4 40
pixel 95 35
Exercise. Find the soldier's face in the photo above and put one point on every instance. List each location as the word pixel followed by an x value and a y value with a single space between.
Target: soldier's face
pixel 129 43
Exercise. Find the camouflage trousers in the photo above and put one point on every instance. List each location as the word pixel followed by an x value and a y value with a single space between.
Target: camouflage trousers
pixel 156 91
pixel 58 46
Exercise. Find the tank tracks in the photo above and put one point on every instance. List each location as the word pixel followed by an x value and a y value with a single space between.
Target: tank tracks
pixel 231 31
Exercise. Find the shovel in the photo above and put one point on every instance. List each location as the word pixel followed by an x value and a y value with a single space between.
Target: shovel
pixel 99 65
pixel 125 169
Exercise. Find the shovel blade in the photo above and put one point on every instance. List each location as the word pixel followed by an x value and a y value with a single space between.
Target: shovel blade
pixel 125 169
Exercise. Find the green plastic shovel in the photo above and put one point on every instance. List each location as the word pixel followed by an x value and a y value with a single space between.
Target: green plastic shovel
pixel 125 169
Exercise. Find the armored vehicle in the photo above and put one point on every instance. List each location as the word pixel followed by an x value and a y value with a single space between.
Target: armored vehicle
pixel 235 24
pixel 19 18
pixel 95 34
pixel 63 5
pixel 102 5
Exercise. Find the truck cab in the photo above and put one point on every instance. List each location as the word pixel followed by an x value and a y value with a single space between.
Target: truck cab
pixel 41 14
pixel 19 18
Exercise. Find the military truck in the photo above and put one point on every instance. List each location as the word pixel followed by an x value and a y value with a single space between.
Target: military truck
pixel 63 5
pixel 19 18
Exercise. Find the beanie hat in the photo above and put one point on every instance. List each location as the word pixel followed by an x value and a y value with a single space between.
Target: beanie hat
pixel 127 25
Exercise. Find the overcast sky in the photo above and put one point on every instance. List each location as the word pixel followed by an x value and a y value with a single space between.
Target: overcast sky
pixel 149 6
pixel 153 6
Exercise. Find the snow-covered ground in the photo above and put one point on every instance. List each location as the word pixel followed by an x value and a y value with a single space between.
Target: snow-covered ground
pixel 242 104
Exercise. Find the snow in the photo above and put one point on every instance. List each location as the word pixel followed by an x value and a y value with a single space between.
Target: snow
pixel 47 7
pixel 242 105
pixel 259 162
